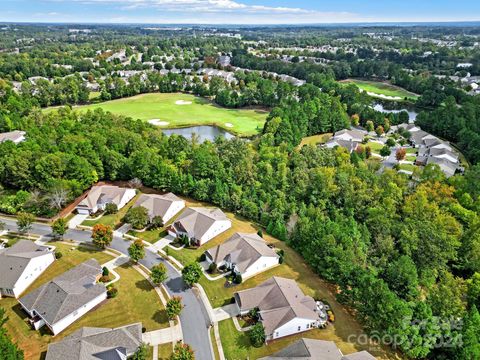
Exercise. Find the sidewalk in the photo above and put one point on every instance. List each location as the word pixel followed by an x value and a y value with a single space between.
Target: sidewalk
pixel 225 312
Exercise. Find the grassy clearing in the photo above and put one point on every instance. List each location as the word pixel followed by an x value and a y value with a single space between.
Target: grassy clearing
pixel 151 236
pixel 407 167
pixel 214 343
pixel 411 151
pixel 12 239
pixel 136 302
pixel 375 146
pixel 410 158
pixel 315 139
pixel 165 351
pixel 246 122
pixel 383 90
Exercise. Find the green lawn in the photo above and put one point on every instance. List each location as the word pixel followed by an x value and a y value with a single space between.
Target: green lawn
pixel 315 139
pixel 136 302
pixel 151 236
pixel 375 146
pixel 407 167
pixel 384 90
pixel 411 158
pixel 245 122
pixel 165 351
pixel 411 150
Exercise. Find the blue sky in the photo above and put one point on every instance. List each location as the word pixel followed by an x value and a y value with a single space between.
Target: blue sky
pixel 238 11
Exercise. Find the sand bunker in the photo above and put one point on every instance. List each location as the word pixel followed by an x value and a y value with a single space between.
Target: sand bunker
pixel 382 96
pixel 182 102
pixel 229 125
pixel 158 122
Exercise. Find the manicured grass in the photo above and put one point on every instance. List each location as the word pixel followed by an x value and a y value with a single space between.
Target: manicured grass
pixel 315 139
pixel 136 302
pixel 411 150
pixel 113 220
pixel 164 351
pixel 382 89
pixel 407 167
pixel 94 95
pixel 12 239
pixel 410 158
pixel 375 146
pixel 33 343
pixel 151 236
pixel 246 122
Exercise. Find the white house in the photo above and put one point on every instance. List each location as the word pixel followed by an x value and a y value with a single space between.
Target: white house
pixel 66 298
pixel 283 308
pixel 244 254
pixel 16 136
pixel 99 196
pixel 98 343
pixel 21 265
pixel 200 224
pixel 165 206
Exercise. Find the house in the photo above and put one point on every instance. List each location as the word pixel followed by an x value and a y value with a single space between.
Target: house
pixel 348 139
pixel 245 254
pixel 224 60
pixel 89 343
pixel 283 308
pixel 66 298
pixel 350 145
pixel 14 136
pixel 165 206
pixel 200 224
pixel 99 196
pixel 310 349
pixel 21 265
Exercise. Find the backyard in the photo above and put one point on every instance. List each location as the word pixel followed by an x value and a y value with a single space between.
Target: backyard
pixel 136 302
pixel 175 110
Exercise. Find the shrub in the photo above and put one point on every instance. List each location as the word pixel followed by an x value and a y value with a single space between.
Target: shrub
pixel 104 279
pixel 257 335
pixel 156 222
pixel 159 273
pixel 105 271
pixel 212 268
pixel 58 255
pixel 137 217
pixel 238 279
pixel 174 307
pixel 202 257
pixel 390 142
pixel 111 208
pixel 260 233
pixel 112 292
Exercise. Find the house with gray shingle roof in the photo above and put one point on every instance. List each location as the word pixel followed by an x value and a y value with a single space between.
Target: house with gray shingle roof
pixel 244 254
pixel 66 298
pixel 90 343
pixel 99 196
pixel 164 206
pixel 283 308
pixel 310 349
pixel 14 136
pixel 200 224
pixel 21 265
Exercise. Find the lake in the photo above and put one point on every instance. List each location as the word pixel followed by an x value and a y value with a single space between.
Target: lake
pixel 412 114
pixel 205 132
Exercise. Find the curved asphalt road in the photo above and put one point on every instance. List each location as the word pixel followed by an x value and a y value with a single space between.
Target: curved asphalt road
pixel 194 318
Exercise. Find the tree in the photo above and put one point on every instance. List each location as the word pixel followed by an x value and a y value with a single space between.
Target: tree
pixel 8 349
pixel 157 222
pixel 159 273
pixel 111 208
pixel 385 151
pixel 369 126
pixel 182 352
pixel 25 221
pixel 470 348
pixel 174 307
pixel 137 217
pixel 191 273
pixel 102 235
pixel 58 197
pixel 140 354
pixel 257 335
pixel 401 153
pixel 379 130
pixel 59 227
pixel 136 250
pixel 355 119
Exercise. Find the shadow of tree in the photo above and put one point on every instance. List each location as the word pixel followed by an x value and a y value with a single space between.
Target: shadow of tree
pixel 160 317
pixel 144 285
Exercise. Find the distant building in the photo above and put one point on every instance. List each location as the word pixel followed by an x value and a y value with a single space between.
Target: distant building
pixel 224 60
pixel 91 343
pixel 21 265
pixel 348 139
pixel 14 136
pixel 99 196
pixel 66 298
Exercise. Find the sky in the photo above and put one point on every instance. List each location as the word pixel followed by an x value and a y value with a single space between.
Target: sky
pixel 238 11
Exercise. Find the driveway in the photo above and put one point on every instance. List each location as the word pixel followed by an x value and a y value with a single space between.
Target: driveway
pixel 76 220
pixel 194 318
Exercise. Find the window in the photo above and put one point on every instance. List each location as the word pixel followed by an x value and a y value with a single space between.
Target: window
pixel 299 328
pixel 308 326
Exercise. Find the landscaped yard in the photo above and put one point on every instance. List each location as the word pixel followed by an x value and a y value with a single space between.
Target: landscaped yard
pixel 375 146
pixel 164 351
pixel 180 110
pixel 12 238
pixel 136 301
pixel 407 167
pixel 383 90
pixel 315 139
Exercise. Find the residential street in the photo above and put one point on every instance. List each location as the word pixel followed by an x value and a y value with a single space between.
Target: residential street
pixel 194 318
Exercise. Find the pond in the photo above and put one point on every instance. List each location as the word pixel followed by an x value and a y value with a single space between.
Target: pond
pixel 412 114
pixel 205 132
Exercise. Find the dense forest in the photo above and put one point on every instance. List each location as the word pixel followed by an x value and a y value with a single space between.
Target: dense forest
pixel 403 253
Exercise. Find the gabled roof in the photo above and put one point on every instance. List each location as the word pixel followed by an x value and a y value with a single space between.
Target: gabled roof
pixel 196 221
pixel 12 135
pixel 308 349
pixel 66 293
pixel 104 194
pixel 97 343
pixel 446 166
pixel 15 259
pixel 157 205
pixel 279 300
pixel 242 250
